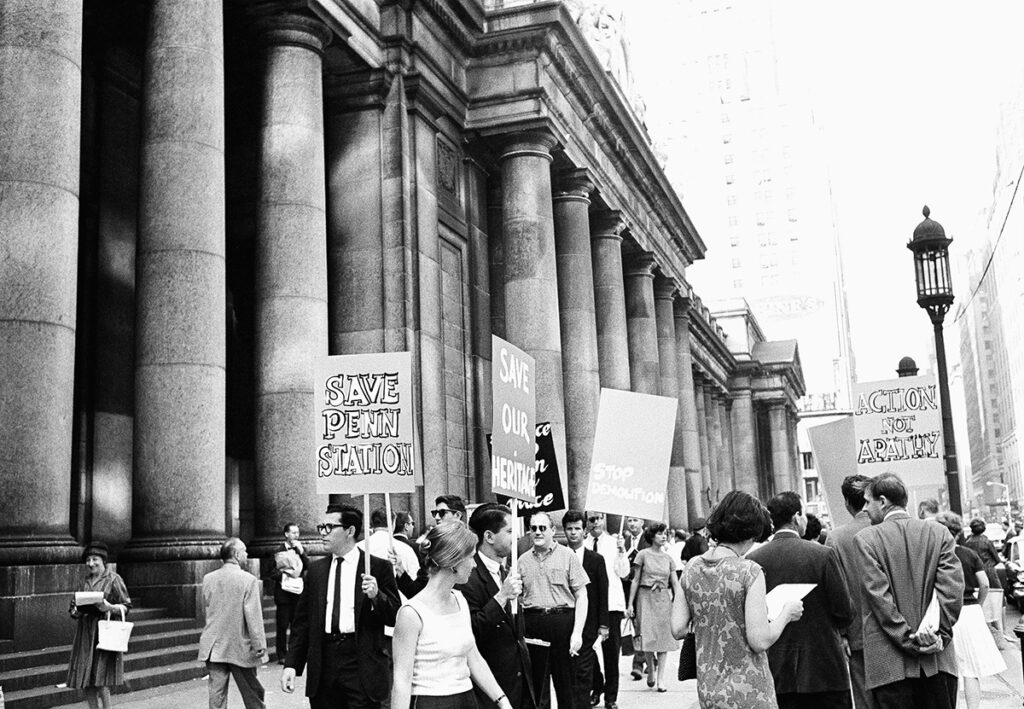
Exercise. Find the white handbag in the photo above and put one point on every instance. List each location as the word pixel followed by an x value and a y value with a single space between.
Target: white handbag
pixel 114 634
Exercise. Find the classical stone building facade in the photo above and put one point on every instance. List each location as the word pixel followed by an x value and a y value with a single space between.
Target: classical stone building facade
pixel 199 198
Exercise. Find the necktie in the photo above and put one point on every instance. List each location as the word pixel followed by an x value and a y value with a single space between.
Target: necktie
pixel 503 572
pixel 336 610
pixel 593 543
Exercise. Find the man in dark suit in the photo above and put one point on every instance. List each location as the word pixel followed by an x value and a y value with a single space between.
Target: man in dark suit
pixel 842 540
pixel 488 592
pixel 447 508
pixel 808 661
pixel 338 629
pixel 596 625
pixel 285 599
pixel 697 544
pixel 905 564
pixel 405 527
pixel 635 541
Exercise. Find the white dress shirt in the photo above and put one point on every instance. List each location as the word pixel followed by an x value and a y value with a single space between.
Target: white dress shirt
pixel 347 609
pixel 616 565
pixel 494 568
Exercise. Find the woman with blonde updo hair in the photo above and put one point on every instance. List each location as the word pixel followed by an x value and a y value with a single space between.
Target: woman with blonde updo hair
pixel 436 662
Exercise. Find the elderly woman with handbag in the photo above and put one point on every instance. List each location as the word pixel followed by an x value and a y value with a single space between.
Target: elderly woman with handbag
pixel 90 668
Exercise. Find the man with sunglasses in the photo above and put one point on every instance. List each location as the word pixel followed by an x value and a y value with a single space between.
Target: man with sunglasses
pixel 447 508
pixel 554 607
pixel 338 629
pixel 612 548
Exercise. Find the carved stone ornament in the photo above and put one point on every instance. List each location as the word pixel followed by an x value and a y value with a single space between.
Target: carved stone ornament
pixel 447 168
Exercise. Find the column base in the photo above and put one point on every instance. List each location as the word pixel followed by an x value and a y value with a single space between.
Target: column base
pixel 174 585
pixel 34 603
pixel 54 549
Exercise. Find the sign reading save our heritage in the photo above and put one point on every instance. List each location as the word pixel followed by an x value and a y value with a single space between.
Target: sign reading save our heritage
pixel 365 437
pixel 513 417
pixel 898 427
pixel 547 494
pixel 632 449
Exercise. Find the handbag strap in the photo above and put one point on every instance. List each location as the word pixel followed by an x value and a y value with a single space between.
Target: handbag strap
pixel 122 615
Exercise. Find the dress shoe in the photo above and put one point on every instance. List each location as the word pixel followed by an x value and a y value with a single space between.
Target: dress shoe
pixel 611 705
pixel 636 675
pixel 595 699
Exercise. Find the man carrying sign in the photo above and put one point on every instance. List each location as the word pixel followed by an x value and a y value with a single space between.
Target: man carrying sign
pixel 612 549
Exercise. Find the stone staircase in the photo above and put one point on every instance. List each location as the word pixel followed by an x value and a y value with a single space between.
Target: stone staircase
pixel 162 650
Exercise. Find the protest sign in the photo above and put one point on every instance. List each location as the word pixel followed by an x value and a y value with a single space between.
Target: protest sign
pixel 365 440
pixel 632 448
pixel 547 495
pixel 513 451
pixel 834 446
pixel 898 425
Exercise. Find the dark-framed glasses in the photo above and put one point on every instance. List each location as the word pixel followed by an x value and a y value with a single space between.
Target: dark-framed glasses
pixel 439 513
pixel 327 527
pixel 538 528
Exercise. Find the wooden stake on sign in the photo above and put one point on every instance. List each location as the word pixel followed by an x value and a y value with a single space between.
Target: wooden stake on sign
pixel 622 524
pixel 366 534
pixel 391 522
pixel 514 564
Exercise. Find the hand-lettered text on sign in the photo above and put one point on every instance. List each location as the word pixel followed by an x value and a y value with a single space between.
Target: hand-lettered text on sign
pixel 513 461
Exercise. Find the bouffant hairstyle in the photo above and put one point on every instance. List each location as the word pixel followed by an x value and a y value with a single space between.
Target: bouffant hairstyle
pixel 447 544
pixel 656 528
pixel 978 526
pixel 737 518
pixel 951 521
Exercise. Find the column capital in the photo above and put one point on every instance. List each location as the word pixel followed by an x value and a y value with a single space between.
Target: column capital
pixel 665 288
pixel 282 27
pixel 534 143
pixel 640 263
pixel 573 185
pixel 606 224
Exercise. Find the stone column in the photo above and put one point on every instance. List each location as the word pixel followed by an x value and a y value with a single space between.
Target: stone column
pixel 580 368
pixel 41 95
pixel 179 495
pixel 778 422
pixel 291 274
pixel 688 410
pixel 744 442
pixel 704 442
pixel 714 440
pixel 641 325
pixel 664 297
pixel 725 467
pixel 531 277
pixel 610 299
pixel 794 448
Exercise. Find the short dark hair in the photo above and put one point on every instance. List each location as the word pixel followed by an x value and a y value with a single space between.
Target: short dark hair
pixel 853 490
pixel 379 518
pixel 284 530
pixel 978 526
pixel 783 506
pixel 454 502
pixel 813 531
pixel 738 517
pixel 891 486
pixel 401 519
pixel 656 528
pixel 350 516
pixel 488 517
pixel 573 516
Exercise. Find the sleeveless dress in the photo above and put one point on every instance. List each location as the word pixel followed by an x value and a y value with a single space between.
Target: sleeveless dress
pixel 729 674
pixel 90 667
pixel 654 601
pixel 440 670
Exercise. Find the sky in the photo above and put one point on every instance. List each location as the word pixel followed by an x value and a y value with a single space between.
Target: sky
pixel 907 93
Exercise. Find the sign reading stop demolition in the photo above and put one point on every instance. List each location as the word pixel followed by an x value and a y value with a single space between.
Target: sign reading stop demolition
pixel 513 453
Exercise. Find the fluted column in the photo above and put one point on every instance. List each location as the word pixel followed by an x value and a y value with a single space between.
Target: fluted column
pixel 291 273
pixel 744 442
pixel 41 100
pixel 688 410
pixel 664 297
pixel 610 299
pixel 178 509
pixel 778 422
pixel 725 465
pixel 714 440
pixel 531 277
pixel 704 442
pixel 580 368
pixel 641 324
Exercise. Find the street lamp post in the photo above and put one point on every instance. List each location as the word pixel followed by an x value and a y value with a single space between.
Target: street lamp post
pixel 935 294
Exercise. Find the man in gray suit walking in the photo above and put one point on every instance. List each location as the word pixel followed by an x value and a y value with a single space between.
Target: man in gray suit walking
pixel 233 642
pixel 905 564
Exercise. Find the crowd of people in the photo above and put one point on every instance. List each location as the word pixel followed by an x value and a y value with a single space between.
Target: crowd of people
pixel 897 614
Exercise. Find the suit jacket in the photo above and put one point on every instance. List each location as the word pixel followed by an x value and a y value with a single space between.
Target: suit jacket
pixel 631 555
pixel 904 563
pixel 499 637
pixel 809 655
pixel 597 596
pixel 696 545
pixel 305 647
pixel 273 574
pixel 842 540
pixel 234 630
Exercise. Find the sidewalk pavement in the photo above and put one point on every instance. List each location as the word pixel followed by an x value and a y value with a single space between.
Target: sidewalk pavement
pixel 1001 691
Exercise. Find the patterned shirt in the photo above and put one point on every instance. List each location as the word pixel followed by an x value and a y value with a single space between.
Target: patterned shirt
pixel 551 579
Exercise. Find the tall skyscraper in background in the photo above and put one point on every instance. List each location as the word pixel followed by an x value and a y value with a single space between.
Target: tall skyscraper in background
pixel 743 149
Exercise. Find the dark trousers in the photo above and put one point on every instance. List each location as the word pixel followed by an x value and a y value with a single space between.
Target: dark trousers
pixel 245 677
pixel 285 613
pixel 583 675
pixel 815 700
pixel 556 628
pixel 935 692
pixel 608 684
pixel 340 685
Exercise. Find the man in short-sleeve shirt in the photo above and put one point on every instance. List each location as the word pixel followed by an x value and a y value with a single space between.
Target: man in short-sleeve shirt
pixel 554 607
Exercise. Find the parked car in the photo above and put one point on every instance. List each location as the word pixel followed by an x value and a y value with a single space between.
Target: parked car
pixel 1013 580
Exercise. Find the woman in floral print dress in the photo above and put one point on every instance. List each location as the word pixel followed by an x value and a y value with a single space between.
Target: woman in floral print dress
pixel 724 598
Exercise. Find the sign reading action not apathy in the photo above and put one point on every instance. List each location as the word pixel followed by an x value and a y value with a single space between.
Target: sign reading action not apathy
pixel 364 415
pixel 632 449
pixel 547 495
pixel 513 421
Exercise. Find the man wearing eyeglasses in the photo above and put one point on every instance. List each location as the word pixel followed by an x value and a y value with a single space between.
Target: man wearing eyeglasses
pixel 338 629
pixel 612 548
pixel 554 607
pixel 447 508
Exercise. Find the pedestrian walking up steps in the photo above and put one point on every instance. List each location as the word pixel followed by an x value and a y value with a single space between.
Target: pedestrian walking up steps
pixel 162 650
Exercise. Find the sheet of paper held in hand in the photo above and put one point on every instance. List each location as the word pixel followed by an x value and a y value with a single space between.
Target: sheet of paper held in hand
pixel 88 598
pixel 783 594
